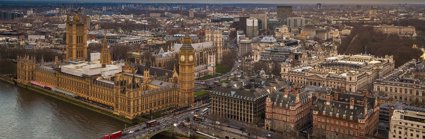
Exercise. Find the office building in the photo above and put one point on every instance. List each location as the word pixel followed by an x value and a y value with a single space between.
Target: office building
pixel 347 72
pixel 252 27
pixel 407 124
pixel 405 84
pixel 284 12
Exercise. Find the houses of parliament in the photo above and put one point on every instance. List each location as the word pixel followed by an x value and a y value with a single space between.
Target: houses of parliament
pixel 128 90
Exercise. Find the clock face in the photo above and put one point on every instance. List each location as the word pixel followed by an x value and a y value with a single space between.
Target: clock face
pixel 182 58
pixel 191 58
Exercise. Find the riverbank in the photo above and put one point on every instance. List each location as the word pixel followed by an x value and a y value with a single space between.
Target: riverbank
pixel 3 79
pixel 70 100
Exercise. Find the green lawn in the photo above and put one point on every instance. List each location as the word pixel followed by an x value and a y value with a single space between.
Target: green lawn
pixel 201 93
pixel 221 69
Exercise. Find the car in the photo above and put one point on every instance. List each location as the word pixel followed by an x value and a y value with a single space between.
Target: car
pixel 137 130
pixel 130 132
pixel 269 135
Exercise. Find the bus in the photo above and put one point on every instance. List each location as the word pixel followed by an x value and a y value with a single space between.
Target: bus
pixel 152 123
pixel 204 111
pixel 114 135
pixel 197 118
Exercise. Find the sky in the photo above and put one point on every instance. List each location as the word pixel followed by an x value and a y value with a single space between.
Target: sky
pixel 251 1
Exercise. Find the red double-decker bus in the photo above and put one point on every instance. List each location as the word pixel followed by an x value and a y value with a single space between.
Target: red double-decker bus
pixel 114 135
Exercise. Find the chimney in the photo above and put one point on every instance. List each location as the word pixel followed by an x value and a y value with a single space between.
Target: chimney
pixel 352 101
pixel 365 104
pixel 365 93
pixel 328 98
pixel 297 99
pixel 286 93
pixel 336 96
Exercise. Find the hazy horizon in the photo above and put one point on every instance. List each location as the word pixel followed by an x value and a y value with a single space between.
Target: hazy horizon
pixel 242 1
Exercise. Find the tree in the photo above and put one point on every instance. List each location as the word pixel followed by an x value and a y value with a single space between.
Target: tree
pixel 120 52
pixel 363 40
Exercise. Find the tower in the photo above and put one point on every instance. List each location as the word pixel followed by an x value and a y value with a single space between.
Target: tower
pixel 216 36
pixel 186 72
pixel 76 37
pixel 25 67
pixel 105 54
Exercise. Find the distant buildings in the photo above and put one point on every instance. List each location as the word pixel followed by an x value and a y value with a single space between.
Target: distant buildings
pixel 252 28
pixel 191 13
pixel 244 47
pixel 319 6
pixel 405 84
pixel 403 31
pixel 284 12
pixel 262 19
pixel 205 57
pixel 343 115
pixel 217 37
pixel 295 22
pixel 407 124
pixel 5 15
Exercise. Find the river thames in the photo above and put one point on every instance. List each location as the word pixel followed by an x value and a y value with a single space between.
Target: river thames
pixel 26 114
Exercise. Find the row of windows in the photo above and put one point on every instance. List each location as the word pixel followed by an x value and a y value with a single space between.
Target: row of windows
pixel 401 90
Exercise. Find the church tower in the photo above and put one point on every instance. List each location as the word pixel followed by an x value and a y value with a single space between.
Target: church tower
pixel 76 37
pixel 105 54
pixel 186 72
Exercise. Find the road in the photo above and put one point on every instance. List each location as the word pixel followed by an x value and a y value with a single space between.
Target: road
pixel 235 66
pixel 141 130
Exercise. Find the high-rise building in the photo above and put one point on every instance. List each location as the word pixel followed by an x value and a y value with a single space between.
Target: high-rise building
pixel 10 15
pixel 295 22
pixel 262 18
pixel 244 47
pixel 318 6
pixel 186 72
pixel 284 12
pixel 76 37
pixel 191 14
pixel 252 27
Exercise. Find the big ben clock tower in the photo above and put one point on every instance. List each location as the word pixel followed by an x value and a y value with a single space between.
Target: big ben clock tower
pixel 186 72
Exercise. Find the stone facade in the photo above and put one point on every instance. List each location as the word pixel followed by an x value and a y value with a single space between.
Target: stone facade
pixel 348 72
pixel 404 84
pixel 216 36
pixel 342 115
pixel 407 124
pixel 288 110
pixel 112 85
pixel 76 37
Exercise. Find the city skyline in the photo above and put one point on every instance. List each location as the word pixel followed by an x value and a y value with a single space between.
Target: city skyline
pixel 168 69
pixel 242 1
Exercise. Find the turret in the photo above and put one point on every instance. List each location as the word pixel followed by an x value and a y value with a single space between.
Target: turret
pixel 105 57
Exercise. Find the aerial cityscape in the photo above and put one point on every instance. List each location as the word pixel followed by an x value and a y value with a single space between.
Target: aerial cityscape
pixel 212 69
